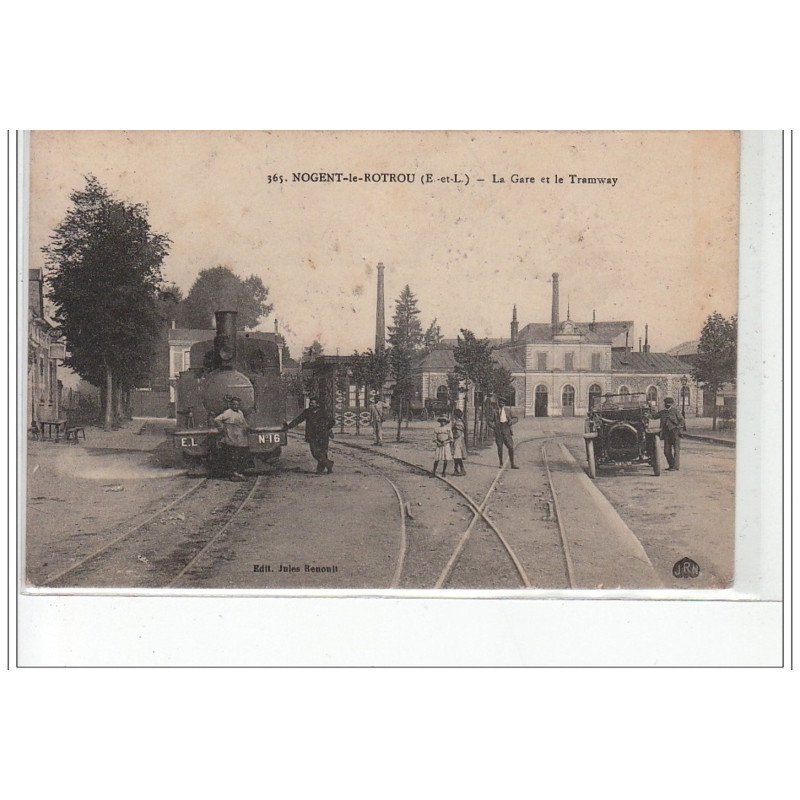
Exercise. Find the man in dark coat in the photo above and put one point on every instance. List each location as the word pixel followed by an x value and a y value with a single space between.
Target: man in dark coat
pixel 318 433
pixel 500 418
pixel 671 427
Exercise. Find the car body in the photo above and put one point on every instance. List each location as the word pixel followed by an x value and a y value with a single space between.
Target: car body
pixel 621 430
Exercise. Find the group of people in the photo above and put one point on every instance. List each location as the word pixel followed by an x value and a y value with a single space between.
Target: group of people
pixel 449 439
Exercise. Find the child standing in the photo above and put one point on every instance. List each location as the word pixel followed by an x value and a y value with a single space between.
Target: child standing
pixel 443 438
pixel 459 443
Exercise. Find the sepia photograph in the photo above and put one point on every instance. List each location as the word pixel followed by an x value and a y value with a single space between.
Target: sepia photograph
pixel 405 361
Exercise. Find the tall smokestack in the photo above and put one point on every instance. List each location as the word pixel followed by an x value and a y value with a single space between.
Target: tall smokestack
pixel 380 319
pixel 646 341
pixel 554 317
pixel 514 326
pixel 276 326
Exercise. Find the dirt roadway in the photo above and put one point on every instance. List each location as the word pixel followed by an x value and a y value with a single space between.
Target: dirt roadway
pixel 83 496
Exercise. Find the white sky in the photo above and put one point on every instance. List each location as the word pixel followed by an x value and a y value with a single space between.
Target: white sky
pixel 661 247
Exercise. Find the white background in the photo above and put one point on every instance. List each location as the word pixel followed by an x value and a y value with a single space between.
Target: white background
pixel 572 733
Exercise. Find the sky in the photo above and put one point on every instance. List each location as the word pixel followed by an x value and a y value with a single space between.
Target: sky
pixel 659 246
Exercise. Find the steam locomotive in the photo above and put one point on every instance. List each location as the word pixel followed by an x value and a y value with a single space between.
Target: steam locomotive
pixel 244 365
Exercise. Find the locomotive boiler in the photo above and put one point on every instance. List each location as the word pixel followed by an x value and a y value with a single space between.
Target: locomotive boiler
pixel 232 364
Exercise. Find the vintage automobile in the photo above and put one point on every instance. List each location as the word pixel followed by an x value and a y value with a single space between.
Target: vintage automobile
pixel 622 430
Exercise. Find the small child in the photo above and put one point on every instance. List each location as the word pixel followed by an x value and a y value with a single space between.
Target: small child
pixel 443 438
pixel 459 443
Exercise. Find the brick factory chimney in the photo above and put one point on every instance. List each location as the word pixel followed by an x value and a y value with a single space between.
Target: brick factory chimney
pixel 514 326
pixel 276 326
pixel 554 316
pixel 646 342
pixel 380 319
pixel 594 321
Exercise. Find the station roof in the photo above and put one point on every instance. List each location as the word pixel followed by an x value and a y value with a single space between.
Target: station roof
pixel 647 362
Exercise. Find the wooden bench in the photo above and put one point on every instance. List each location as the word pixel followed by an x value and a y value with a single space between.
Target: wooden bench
pixel 73 433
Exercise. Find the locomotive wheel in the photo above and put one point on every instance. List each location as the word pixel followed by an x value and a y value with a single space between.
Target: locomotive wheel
pixel 590 460
pixel 655 458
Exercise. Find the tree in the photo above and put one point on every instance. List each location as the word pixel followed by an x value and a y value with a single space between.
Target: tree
pixel 103 268
pixel 376 367
pixel 401 362
pixel 219 289
pixel 406 330
pixel 453 389
pixel 433 336
pixel 314 350
pixel 473 366
pixel 716 356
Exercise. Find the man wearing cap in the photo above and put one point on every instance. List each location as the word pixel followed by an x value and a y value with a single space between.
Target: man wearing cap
pixel 500 418
pixel 671 426
pixel 318 432
pixel 377 413
pixel 232 449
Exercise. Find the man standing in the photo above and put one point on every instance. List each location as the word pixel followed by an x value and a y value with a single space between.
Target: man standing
pixel 232 447
pixel 318 432
pixel 500 418
pixel 672 423
pixel 377 411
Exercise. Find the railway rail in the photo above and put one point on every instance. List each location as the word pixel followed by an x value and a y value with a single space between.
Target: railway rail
pixel 479 511
pixel 125 548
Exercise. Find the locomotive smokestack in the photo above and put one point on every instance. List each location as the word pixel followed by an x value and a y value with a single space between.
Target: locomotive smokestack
pixel 380 320
pixel 225 340
pixel 554 316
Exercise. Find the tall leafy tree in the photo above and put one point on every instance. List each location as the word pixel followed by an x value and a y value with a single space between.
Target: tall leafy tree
pixel 376 367
pixel 401 363
pixel 103 269
pixel 433 336
pixel 406 329
pixel 716 356
pixel 314 350
pixel 473 366
pixel 220 289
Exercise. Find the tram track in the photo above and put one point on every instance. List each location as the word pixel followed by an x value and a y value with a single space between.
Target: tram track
pixel 154 550
pixel 479 511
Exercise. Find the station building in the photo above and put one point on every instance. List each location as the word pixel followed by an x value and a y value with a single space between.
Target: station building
pixel 559 368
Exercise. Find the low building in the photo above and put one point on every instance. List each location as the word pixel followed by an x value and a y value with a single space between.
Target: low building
pixel 559 368
pixel 44 352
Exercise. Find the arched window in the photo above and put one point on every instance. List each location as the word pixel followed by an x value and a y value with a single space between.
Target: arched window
pixel 652 394
pixel 442 393
pixel 595 393
pixel 624 391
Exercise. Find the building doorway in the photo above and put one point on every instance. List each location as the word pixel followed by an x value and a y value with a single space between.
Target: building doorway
pixel 568 401
pixel 540 401
pixel 595 393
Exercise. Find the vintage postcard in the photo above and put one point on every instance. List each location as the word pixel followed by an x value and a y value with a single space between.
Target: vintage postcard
pixel 381 360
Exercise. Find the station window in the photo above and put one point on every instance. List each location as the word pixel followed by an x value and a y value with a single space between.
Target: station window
pixel 624 391
pixel 652 394
pixel 569 362
pixel 595 362
pixel 442 393
pixel 541 361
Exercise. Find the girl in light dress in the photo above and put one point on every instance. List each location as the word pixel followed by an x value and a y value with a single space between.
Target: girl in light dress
pixel 443 439
pixel 459 443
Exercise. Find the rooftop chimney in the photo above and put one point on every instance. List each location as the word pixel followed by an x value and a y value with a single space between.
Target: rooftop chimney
pixel 554 317
pixel 514 325
pixel 646 342
pixel 594 321
pixel 380 320
pixel 276 326
pixel 640 344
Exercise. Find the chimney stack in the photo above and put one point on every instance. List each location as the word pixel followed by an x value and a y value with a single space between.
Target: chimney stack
pixel 594 321
pixel 514 326
pixel 554 317
pixel 380 320
pixel 640 344
pixel 276 326
pixel 646 341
